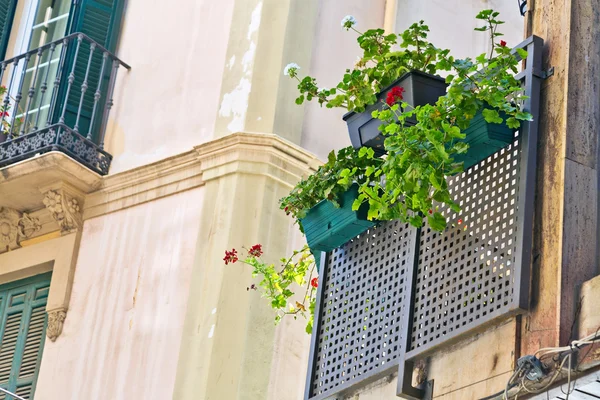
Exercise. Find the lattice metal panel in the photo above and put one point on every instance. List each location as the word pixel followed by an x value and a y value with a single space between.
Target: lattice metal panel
pixel 364 293
pixel 466 275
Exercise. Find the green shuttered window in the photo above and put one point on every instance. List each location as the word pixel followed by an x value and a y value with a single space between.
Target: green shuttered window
pixel 100 20
pixel 22 333
pixel 7 14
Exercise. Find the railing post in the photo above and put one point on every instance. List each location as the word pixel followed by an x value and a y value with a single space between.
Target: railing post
pixel 109 102
pixel 3 136
pixel 84 85
pixel 97 95
pixel 44 86
pixel 31 93
pixel 71 80
pixel 6 100
pixel 54 97
pixel 19 95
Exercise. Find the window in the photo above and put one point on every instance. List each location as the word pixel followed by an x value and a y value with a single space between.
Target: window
pixel 22 333
pixel 39 22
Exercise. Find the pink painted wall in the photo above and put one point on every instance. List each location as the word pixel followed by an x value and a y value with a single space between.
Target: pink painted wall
pixel 168 102
pixel 334 50
pixel 123 329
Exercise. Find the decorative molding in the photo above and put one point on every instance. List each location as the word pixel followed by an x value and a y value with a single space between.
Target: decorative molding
pixel 65 210
pixel 9 229
pixel 248 153
pixel 56 319
pixel 15 226
pixel 28 226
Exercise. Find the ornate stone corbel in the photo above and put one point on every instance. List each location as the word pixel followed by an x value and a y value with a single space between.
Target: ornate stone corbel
pixel 56 320
pixel 28 226
pixel 15 226
pixel 65 210
pixel 9 229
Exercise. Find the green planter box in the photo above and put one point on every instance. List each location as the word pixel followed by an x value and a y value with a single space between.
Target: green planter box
pixel 327 227
pixel 484 139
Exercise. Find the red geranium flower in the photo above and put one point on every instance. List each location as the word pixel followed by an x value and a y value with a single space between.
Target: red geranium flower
pixel 430 211
pixel 394 95
pixel 230 256
pixel 460 221
pixel 314 282
pixel 256 250
pixel 4 114
pixel 502 43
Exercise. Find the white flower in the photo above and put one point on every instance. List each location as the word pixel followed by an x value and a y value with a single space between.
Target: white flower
pixel 291 69
pixel 348 22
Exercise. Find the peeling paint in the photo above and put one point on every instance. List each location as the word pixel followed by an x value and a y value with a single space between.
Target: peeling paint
pixel 255 20
pixel 235 105
pixel 231 62
pixel 249 57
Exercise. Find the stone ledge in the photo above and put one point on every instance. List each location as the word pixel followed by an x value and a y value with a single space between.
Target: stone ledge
pixel 21 183
pixel 247 153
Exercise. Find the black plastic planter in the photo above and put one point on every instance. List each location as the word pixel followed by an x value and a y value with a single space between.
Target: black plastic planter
pixel 419 89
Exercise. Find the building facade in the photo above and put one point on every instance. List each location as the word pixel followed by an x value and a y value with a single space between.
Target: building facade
pixel 138 142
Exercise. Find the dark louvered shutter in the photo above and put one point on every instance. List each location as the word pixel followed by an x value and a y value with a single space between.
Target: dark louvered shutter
pixel 7 14
pixel 100 20
pixel 22 333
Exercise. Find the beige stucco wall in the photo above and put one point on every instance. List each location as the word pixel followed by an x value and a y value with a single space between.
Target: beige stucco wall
pixel 333 51
pixel 452 22
pixel 122 334
pixel 168 102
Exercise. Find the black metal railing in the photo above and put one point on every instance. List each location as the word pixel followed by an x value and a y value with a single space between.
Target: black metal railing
pixel 58 97
pixel 397 294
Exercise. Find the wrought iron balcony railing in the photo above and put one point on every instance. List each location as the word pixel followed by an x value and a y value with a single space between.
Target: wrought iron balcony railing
pixel 58 98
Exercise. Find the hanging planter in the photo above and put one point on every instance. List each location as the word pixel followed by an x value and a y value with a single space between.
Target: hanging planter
pixel 417 89
pixel 484 139
pixel 327 227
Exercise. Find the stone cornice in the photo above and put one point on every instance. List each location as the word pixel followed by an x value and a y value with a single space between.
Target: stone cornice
pixel 24 185
pixel 249 153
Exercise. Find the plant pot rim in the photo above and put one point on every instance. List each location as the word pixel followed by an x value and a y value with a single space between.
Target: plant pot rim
pixel 401 78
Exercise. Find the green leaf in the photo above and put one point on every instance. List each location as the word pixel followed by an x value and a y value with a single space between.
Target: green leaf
pixel 461 147
pixel 416 221
pixel 513 123
pixel 491 116
pixel 331 157
pixel 437 221
pixel 435 182
pixel 522 53
pixel 300 99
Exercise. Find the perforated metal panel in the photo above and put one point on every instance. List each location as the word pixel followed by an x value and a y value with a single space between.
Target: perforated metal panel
pixel 363 295
pixel 466 275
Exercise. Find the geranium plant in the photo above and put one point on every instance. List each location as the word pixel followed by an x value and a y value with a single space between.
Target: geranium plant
pixel 420 156
pixel 278 283
pixel 5 118
pixel 421 142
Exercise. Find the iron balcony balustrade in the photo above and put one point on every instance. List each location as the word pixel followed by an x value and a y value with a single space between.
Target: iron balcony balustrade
pixel 58 97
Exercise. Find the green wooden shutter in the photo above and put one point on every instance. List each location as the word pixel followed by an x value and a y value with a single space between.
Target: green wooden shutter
pixel 100 20
pixel 22 333
pixel 7 14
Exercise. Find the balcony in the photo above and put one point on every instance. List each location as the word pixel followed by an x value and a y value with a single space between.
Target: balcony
pixel 58 98
pixel 396 294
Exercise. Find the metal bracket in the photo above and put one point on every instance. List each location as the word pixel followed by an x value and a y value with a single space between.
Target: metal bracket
pixel 405 388
pixel 543 74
